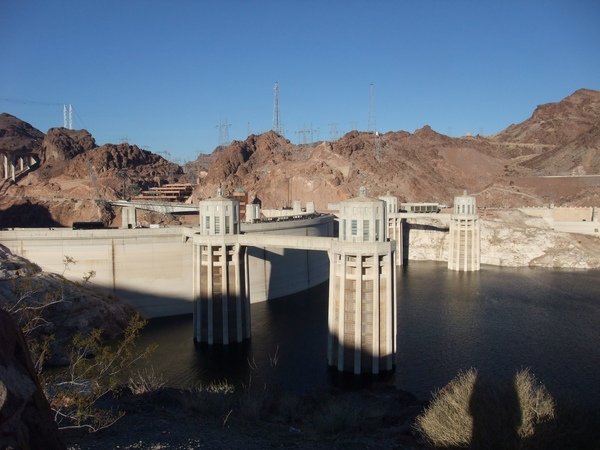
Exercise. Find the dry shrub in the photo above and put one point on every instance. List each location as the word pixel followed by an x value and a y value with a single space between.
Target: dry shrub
pixel 537 405
pixel 447 422
pixel 143 382
pixel 214 399
pixel 482 412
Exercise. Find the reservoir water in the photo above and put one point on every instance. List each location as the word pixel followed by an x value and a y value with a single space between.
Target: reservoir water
pixel 497 320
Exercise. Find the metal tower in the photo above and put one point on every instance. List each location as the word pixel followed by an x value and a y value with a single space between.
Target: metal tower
pixel 223 127
pixel 277 128
pixel 333 131
pixel 68 116
pixel 303 133
pixel 372 126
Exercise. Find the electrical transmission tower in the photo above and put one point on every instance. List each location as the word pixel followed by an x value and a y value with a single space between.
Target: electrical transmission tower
pixel 277 127
pixel 304 133
pixel 314 132
pixel 223 127
pixel 333 131
pixel 377 146
pixel 68 116
pixel 372 126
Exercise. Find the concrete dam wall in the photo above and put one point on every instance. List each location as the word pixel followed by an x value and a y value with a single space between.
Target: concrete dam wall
pixel 151 269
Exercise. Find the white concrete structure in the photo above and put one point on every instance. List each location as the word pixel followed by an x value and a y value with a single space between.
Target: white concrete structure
pixel 252 212
pixel 220 287
pixel 391 202
pixel 128 217
pixel 464 251
pixel 568 219
pixel 394 225
pixel 362 293
pixel 219 216
pixel 362 219
pixel 15 165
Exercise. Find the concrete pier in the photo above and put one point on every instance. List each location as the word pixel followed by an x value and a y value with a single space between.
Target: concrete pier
pixel 222 306
pixel 128 217
pixel 13 165
pixel 465 241
pixel 362 297
pixel 220 276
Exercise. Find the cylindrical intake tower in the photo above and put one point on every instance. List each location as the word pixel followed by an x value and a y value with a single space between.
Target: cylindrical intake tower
pixel 362 297
pixel 221 301
pixel 464 251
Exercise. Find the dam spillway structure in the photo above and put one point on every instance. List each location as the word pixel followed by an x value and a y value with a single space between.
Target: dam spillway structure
pixel 220 288
pixel 464 253
pixel 362 297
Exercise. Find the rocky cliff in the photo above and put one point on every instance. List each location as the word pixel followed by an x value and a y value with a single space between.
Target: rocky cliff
pixel 559 138
pixel 26 420
pixel 66 308
pixel 75 177
pixel 511 239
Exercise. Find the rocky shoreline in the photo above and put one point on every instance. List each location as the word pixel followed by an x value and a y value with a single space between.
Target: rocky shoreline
pixel 509 239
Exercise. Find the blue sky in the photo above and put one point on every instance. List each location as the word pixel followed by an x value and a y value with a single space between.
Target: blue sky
pixel 163 74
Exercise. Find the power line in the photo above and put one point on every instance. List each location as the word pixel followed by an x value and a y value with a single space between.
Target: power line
pixel 29 102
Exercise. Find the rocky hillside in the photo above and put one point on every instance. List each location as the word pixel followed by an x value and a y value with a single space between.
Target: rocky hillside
pixel 511 239
pixel 580 156
pixel 75 177
pixel 73 308
pixel 419 166
pixel 560 138
pixel 557 123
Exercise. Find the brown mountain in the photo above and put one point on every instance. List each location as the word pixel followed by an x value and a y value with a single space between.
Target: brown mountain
pixel 18 136
pixel 557 123
pixel 559 138
pixel 74 176
pixel 61 144
pixel 421 166
pixel 581 156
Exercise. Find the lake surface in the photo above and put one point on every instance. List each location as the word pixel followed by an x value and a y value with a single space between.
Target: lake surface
pixel 497 320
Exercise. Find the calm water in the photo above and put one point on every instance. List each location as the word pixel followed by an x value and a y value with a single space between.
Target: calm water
pixel 497 320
